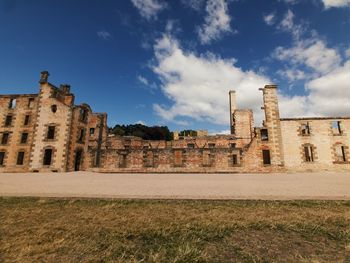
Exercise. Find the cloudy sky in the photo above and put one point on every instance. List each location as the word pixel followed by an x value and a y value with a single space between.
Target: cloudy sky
pixel 173 62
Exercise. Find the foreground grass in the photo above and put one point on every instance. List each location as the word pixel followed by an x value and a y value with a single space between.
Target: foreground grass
pixel 49 230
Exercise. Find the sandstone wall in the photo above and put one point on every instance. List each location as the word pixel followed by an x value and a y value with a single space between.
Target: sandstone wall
pixel 321 138
pixel 25 105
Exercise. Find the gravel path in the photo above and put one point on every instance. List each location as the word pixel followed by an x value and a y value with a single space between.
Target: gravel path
pixel 178 186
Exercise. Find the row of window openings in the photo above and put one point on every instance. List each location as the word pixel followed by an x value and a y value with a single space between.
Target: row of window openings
pixel 305 130
pixel 9 119
pixel 50 135
pixel 309 155
pixel 81 138
pixel 13 102
pixel 24 136
pixel 20 158
pixel 335 125
pixel 6 136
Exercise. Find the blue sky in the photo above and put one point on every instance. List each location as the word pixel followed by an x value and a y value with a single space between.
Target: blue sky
pixel 173 62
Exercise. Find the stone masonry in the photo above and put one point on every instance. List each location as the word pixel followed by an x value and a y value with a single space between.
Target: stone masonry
pixel 48 132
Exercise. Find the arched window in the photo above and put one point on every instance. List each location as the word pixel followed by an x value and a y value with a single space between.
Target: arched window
pixel 54 108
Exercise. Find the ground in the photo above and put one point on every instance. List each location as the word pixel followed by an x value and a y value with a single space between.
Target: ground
pixel 64 224
pixel 332 186
pixel 73 230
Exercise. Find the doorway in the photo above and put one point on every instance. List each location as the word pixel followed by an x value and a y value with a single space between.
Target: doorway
pixel 78 160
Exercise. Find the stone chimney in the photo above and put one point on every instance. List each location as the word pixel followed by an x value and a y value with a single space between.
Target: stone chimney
pixel 44 77
pixel 233 107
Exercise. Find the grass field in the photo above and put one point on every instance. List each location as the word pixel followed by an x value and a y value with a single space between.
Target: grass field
pixel 51 230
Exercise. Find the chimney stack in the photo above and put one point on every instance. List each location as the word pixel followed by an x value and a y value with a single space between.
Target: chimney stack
pixel 233 106
pixel 44 77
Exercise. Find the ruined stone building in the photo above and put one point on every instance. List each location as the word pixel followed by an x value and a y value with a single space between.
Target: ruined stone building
pixel 48 132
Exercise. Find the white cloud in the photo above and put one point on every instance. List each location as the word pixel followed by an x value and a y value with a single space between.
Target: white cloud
pixel 221 132
pixel 347 53
pixel 149 8
pixel 198 85
pixel 330 94
pixel 104 35
pixel 292 74
pixel 269 19
pixel 287 24
pixel 142 79
pixel 336 3
pixel 151 86
pixel 217 21
pixel 194 4
pixel 141 122
pixel 312 53
pixel 327 78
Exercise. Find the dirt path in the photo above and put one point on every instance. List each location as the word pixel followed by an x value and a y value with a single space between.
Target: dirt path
pixel 182 186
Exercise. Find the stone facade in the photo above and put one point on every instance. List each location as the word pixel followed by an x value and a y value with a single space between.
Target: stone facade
pixel 48 132
pixel 57 131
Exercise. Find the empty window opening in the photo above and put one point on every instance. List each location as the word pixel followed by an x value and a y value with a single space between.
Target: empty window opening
pixel 83 115
pixel 233 145
pixel 26 120
pixel 178 158
pixel 340 153
pixel 266 157
pixel 92 131
pixel 336 127
pixel 31 103
pixel 51 133
pixel 305 129
pixel 264 134
pixel 234 161
pixel 24 137
pixel 190 145
pixel 20 158
pixel 343 153
pixel 211 145
pixel 308 154
pixel 8 120
pixel 5 138
pixel 206 159
pixel 54 108
pixel 123 161
pixel 81 135
pixel 47 157
pixel 2 158
pixel 12 103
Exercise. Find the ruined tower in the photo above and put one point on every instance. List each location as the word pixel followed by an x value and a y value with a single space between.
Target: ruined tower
pixel 241 121
pixel 272 124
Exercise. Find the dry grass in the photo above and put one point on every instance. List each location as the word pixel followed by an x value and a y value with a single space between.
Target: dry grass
pixel 49 230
